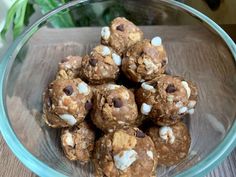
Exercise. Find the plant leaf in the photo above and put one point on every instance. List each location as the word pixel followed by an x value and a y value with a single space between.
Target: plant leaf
pixel 11 15
pixel 19 19
pixel 62 19
pixel 29 11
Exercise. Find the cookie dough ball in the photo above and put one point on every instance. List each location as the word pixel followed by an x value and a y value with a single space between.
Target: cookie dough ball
pixel 78 142
pixel 66 102
pixel 125 153
pixel 121 35
pixel 145 60
pixel 101 66
pixel 69 67
pixel 114 107
pixel 172 143
pixel 166 99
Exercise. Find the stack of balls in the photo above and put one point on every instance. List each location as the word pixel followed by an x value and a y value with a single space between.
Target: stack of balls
pixel 85 93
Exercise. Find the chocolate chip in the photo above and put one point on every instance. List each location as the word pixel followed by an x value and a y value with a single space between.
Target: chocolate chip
pixel 170 88
pixel 140 134
pixel 88 105
pixel 64 60
pixel 155 85
pixel 117 102
pixel 120 27
pixel 163 63
pixel 93 62
pixel 142 53
pixel 50 85
pixel 68 90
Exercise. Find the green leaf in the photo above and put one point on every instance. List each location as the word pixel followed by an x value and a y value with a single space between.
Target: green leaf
pixel 62 19
pixel 16 11
pixel 29 11
pixel 19 19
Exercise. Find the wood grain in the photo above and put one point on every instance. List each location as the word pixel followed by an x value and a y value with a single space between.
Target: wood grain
pixel 56 44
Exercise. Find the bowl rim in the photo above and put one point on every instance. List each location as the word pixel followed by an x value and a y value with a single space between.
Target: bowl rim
pixel 40 168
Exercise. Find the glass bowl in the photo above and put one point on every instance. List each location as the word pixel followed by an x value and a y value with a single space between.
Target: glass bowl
pixel 198 49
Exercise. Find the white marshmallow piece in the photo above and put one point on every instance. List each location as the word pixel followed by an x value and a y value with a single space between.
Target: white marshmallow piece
pixel 186 87
pixel 105 33
pixel 182 110
pixel 179 104
pixel 106 51
pixel 148 87
pixel 166 133
pixel 156 41
pixel 191 111
pixel 83 88
pixel 125 159
pixel 146 108
pixel 69 139
pixel 68 119
pixel 112 86
pixel 191 103
pixel 116 58
pixel 150 154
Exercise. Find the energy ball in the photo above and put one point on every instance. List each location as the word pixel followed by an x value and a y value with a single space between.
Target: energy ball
pixel 69 67
pixel 114 107
pixel 172 143
pixel 166 99
pixel 101 66
pixel 121 35
pixel 145 60
pixel 125 153
pixel 78 142
pixel 66 102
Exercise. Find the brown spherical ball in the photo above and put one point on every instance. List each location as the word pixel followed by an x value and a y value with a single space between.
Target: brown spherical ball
pixel 69 67
pixel 144 61
pixel 65 102
pixel 78 142
pixel 172 143
pixel 121 34
pixel 101 66
pixel 166 99
pixel 114 107
pixel 127 152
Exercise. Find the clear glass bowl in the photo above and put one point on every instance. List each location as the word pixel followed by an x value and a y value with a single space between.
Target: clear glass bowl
pixel 198 49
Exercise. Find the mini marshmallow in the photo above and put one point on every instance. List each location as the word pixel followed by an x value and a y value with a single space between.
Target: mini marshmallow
pixel 182 110
pixel 191 103
pixel 191 111
pixel 116 58
pixel 186 87
pixel 83 88
pixel 124 159
pixel 106 51
pixel 166 133
pixel 68 118
pixel 179 104
pixel 150 154
pixel 69 139
pixel 142 80
pixel 156 41
pixel 146 108
pixel 148 87
pixel 105 32
pixel 112 86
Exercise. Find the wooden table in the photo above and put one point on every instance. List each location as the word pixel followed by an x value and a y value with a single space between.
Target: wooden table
pixel 10 166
